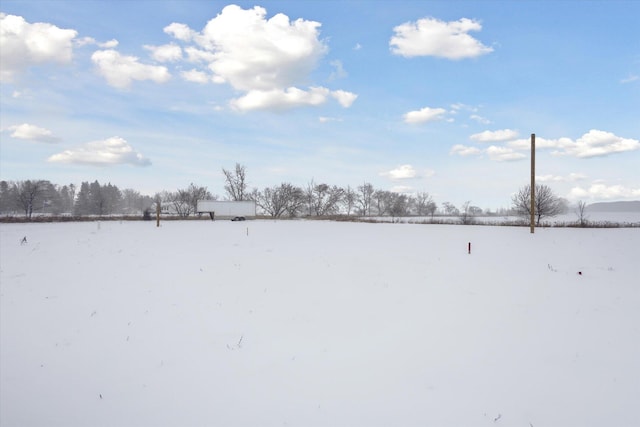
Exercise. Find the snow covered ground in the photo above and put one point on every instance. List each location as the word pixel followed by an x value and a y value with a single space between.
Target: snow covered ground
pixel 309 323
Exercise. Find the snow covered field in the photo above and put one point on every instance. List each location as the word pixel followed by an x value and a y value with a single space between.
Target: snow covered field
pixel 305 323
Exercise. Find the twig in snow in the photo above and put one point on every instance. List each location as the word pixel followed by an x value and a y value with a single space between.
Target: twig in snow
pixel 497 418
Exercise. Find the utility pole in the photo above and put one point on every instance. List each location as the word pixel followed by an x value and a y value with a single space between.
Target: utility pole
pixel 533 181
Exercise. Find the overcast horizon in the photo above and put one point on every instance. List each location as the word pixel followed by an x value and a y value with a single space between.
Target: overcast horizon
pixel 410 96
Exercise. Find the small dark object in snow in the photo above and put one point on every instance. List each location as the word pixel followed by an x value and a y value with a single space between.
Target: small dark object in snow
pixel 23 241
pixel 100 396
pixel 579 273
pixel 238 218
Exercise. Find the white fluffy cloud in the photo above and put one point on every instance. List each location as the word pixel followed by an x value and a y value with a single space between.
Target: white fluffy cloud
pixel 601 191
pixel 427 114
pixel 23 45
pixel 344 98
pixel 165 53
pixel 463 150
pixel 401 172
pixel 267 59
pixel 432 37
pixel 32 133
pixel 595 143
pixel 180 32
pixel 503 154
pixel 195 76
pixel 278 99
pixel 120 70
pixel 111 151
pixel 495 136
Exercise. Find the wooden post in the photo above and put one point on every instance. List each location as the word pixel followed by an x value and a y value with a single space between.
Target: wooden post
pixel 158 213
pixel 533 181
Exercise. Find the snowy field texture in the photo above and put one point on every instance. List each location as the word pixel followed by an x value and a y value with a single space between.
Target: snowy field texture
pixel 309 323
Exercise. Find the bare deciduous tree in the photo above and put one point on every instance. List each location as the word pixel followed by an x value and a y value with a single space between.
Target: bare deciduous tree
pixel 27 194
pixel 349 200
pixel 581 211
pixel 235 183
pixel 547 204
pixel 323 199
pixel 365 196
pixel 423 201
pixel 467 213
pixel 450 209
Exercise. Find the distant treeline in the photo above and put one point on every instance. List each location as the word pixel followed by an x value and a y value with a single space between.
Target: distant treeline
pixel 43 198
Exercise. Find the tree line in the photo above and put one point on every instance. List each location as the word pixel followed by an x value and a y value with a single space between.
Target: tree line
pixel 283 200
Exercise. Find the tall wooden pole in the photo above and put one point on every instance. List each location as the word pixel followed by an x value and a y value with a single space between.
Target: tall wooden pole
pixel 533 181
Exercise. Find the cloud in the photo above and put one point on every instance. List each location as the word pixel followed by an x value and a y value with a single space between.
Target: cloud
pixel 111 151
pixel 195 76
pixel 87 41
pixel 630 78
pixel 344 98
pixel 267 59
pixel 23 45
pixel 600 191
pixel 32 133
pixel 323 119
pixel 503 154
pixel 278 99
pixel 120 70
pixel 597 143
pixel 480 119
pixel 255 53
pixel 165 53
pixel 339 71
pixel 401 172
pixel 558 178
pixel 180 31
pixel 494 136
pixel 425 115
pixel 432 37
pixel 463 150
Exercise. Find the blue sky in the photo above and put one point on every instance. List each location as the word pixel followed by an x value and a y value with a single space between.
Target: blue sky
pixel 435 96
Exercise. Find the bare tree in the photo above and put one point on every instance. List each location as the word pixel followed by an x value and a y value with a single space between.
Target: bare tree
pixel 398 204
pixel 27 194
pixel 271 200
pixel 423 201
pixel 467 213
pixel 450 209
pixel 323 199
pixel 195 193
pixel 581 211
pixel 365 196
pixel 235 183
pixel 547 204
pixel 382 202
pixel 349 199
